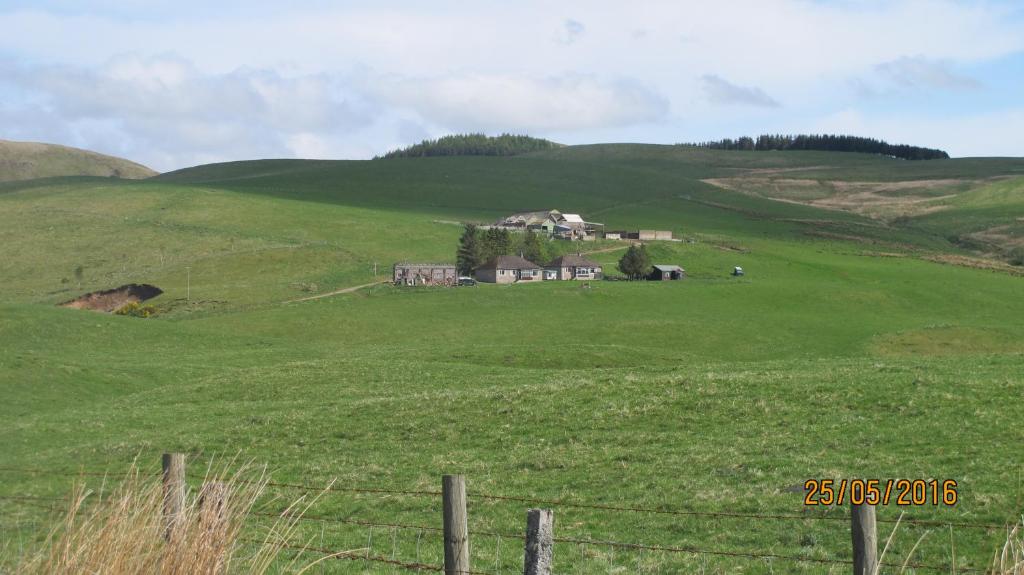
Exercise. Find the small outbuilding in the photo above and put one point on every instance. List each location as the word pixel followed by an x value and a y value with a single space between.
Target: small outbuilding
pixel 572 267
pixel 509 269
pixel 666 272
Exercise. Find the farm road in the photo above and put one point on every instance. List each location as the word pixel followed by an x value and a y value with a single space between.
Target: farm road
pixel 336 292
pixel 614 249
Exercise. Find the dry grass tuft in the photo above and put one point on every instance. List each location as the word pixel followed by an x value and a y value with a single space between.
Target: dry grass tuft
pixel 123 531
pixel 1009 560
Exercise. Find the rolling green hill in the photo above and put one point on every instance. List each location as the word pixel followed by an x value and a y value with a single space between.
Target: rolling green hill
pixel 30 160
pixel 853 348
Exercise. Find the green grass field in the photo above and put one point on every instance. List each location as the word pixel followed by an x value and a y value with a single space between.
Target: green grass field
pixel 843 353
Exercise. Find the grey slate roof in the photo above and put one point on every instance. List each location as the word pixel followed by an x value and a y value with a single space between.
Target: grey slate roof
pixel 508 263
pixel 572 261
pixel 668 268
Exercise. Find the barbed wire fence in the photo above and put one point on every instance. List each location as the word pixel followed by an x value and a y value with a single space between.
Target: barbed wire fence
pixel 536 543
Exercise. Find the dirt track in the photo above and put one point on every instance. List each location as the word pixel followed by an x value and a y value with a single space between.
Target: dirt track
pixel 337 292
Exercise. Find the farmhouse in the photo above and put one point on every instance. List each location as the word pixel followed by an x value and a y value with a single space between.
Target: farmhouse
pixel 508 269
pixel 572 267
pixel 667 272
pixel 425 274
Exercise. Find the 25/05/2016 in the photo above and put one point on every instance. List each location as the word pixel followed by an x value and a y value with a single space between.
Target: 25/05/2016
pixel 902 492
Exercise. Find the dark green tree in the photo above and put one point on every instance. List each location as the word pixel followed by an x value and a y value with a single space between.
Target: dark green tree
pixel 636 262
pixel 496 242
pixel 470 252
pixel 533 248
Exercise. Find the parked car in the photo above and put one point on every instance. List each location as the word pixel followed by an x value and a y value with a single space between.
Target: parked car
pixel 466 281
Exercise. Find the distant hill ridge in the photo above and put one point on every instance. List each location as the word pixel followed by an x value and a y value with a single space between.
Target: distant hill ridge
pixel 475 145
pixel 31 160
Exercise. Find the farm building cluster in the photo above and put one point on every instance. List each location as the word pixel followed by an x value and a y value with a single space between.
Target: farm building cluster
pixel 508 269
pixel 516 269
pixel 501 270
pixel 555 224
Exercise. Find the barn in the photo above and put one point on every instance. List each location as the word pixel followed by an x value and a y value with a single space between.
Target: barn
pixel 425 274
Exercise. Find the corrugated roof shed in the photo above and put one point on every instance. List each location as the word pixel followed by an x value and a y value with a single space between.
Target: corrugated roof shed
pixel 668 268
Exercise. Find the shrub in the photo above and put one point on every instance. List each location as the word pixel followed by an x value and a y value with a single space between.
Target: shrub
pixel 1017 256
pixel 135 309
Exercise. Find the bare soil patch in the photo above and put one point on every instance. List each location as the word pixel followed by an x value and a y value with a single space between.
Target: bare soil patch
pixel 113 299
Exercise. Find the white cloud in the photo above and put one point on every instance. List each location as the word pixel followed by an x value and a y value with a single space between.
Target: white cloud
pixel 165 103
pixel 344 78
pixel 514 103
pixel 571 31
pixel 719 91
pixel 922 72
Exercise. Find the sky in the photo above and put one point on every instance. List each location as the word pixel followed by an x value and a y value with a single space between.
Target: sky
pixel 178 83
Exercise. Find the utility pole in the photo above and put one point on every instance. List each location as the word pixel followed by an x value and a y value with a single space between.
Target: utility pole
pixel 374 270
pixel 188 283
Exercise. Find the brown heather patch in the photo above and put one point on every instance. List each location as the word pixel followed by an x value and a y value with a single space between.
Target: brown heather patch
pixel 975 263
pixel 882 200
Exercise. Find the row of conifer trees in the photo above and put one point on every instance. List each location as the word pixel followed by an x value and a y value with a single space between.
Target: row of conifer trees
pixel 477 246
pixel 824 142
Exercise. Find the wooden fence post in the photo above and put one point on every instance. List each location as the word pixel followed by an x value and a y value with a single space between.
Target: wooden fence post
pixel 865 539
pixel 540 544
pixel 456 529
pixel 174 490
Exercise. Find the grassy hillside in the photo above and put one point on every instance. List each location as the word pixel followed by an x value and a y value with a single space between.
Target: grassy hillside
pixel 974 203
pixel 845 352
pixel 30 160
